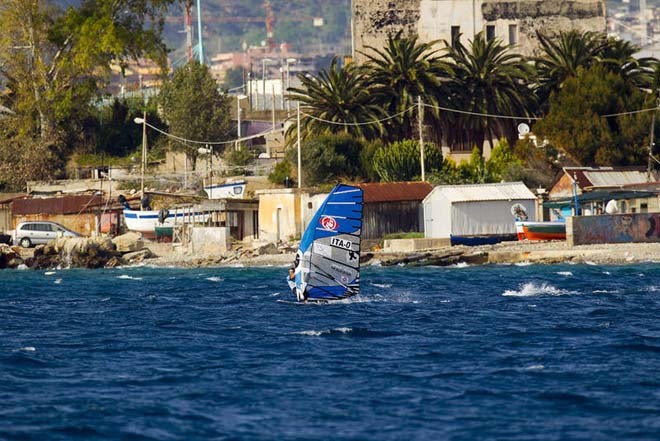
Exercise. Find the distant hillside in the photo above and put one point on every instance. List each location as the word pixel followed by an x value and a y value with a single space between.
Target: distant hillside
pixel 228 24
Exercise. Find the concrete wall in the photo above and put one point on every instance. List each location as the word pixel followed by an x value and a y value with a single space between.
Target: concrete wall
pixel 279 213
pixel 209 240
pixel 617 228
pixel 433 19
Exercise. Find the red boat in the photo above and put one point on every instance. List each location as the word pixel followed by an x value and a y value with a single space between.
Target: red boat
pixel 554 230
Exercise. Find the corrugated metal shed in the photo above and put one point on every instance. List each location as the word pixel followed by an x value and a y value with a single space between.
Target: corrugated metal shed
pixel 605 177
pixel 504 191
pixel 395 191
pixel 63 205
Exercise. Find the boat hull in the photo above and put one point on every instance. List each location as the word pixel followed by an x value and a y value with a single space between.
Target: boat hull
pixel 145 221
pixel 541 230
pixel 234 190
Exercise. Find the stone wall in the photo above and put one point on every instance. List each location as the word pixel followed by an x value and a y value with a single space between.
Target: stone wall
pixel 431 20
pixel 617 228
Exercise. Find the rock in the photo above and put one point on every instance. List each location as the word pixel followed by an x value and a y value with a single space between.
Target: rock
pixel 138 256
pixel 78 252
pixel 129 242
pixel 9 257
pixel 269 248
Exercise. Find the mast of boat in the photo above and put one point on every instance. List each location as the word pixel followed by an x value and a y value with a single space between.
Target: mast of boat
pixel 143 120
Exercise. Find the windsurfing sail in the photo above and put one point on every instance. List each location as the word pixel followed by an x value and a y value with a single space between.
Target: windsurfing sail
pixel 328 258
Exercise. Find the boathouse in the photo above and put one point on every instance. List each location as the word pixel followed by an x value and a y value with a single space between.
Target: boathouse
pixel 393 207
pixel 475 209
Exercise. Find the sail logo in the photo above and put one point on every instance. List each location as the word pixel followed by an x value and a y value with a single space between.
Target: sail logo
pixel 341 243
pixel 329 223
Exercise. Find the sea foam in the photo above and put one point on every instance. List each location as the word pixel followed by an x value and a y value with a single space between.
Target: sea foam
pixel 531 289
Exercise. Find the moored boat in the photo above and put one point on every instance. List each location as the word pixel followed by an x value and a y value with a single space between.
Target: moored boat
pixel 552 230
pixel 145 221
pixel 228 190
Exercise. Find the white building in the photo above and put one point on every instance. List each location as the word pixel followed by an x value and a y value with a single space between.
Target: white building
pixel 475 209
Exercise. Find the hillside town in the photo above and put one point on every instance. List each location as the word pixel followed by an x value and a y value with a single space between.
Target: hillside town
pixel 234 172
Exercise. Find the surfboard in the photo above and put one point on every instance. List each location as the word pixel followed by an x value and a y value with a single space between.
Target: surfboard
pixel 328 257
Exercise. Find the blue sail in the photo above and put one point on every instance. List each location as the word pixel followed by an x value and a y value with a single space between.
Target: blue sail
pixel 328 258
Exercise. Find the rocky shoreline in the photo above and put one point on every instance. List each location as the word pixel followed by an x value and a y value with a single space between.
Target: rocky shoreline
pixel 131 249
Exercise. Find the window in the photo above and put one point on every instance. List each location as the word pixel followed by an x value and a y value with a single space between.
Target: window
pixel 455 34
pixel 644 208
pixel 513 34
pixel 490 32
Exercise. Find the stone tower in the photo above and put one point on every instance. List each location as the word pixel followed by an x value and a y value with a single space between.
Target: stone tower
pixel 514 22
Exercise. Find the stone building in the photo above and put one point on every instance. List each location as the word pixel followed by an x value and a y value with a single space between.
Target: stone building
pixel 513 22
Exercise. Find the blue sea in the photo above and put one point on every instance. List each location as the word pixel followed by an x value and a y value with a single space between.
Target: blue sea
pixel 558 352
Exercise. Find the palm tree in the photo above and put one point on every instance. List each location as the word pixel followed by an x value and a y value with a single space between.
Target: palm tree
pixel 400 73
pixel 560 59
pixel 489 80
pixel 618 57
pixel 337 100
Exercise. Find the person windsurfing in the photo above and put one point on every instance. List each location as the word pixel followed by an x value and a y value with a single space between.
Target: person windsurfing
pixel 291 280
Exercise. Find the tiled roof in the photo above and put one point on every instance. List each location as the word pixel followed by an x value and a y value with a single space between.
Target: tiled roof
pixel 395 191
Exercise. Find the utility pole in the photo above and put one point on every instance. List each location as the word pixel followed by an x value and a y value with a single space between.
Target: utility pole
pixel 420 118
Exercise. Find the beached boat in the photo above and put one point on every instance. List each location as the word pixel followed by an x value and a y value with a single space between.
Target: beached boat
pixel 327 265
pixel 553 230
pixel 228 190
pixel 145 221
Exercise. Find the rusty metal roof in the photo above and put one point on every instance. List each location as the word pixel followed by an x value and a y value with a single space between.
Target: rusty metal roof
pixel 395 191
pixel 607 177
pixel 61 205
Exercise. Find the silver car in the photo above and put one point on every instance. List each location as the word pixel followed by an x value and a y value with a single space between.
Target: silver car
pixel 32 233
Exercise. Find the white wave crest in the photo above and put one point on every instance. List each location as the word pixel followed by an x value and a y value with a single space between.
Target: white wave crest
pixel 523 263
pixel 58 281
pixel 215 279
pixel 531 289
pixel 127 277
pixel 381 285
pixel 28 349
pixel 49 273
pixel 565 273
pixel 535 367
pixel 314 333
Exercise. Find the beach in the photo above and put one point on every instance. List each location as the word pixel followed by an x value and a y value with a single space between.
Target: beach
pixel 503 253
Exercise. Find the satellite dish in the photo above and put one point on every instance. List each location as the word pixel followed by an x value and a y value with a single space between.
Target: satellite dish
pixel 519 211
pixel 523 129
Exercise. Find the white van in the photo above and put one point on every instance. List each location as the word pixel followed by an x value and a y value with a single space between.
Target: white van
pixel 32 233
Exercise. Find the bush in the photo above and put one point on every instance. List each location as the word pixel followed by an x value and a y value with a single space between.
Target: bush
pixel 328 158
pixel 400 161
pixel 239 158
pixel 281 172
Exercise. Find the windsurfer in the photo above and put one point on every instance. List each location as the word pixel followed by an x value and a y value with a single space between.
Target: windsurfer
pixel 291 280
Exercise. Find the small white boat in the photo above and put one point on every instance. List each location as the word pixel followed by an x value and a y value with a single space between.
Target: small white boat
pixel 145 221
pixel 228 190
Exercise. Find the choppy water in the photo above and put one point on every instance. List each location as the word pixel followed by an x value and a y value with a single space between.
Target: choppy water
pixel 566 352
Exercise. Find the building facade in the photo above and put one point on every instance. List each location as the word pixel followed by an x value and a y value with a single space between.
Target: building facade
pixel 513 22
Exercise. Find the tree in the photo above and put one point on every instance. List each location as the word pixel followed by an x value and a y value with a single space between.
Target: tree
pixel 489 80
pixel 400 161
pixel 577 122
pixel 194 108
pixel 561 58
pixel 402 72
pixel 328 159
pixel 56 61
pixel 338 100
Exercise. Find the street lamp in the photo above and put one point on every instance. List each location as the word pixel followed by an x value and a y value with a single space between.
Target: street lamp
pixel 142 121
pixel 288 61
pixel 263 77
pixel 209 162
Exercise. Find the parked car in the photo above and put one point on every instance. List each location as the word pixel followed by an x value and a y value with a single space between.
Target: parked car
pixel 32 233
